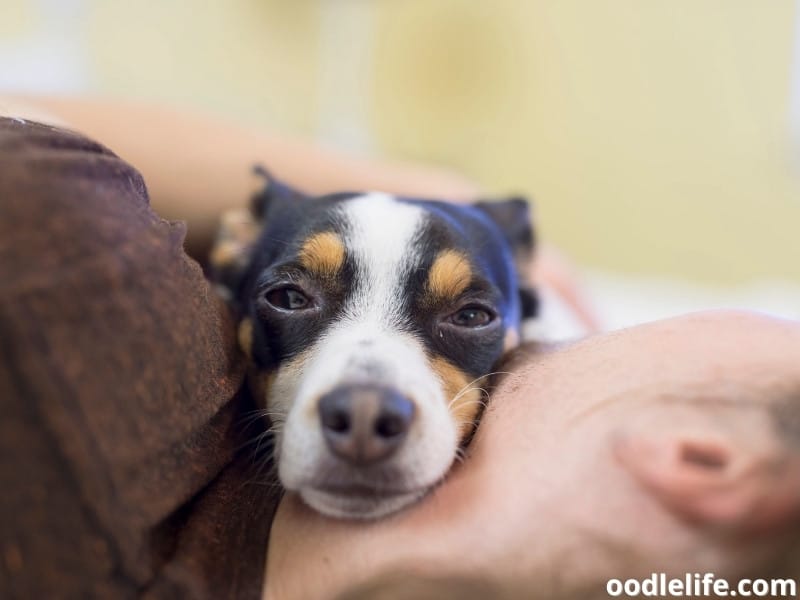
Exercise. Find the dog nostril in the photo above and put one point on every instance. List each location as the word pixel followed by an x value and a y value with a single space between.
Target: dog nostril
pixel 389 426
pixel 338 421
pixel 394 416
pixel 335 411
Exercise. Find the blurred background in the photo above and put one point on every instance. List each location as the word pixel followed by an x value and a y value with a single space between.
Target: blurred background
pixel 660 140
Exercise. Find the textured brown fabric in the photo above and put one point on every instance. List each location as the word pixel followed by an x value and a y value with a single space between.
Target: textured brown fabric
pixel 119 411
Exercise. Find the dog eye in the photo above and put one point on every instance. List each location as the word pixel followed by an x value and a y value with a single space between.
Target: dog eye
pixel 288 298
pixel 471 316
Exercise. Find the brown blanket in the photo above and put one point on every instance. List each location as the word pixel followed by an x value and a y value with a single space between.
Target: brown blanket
pixel 120 410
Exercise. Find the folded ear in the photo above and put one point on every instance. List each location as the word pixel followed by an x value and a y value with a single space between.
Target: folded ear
pixel 513 217
pixel 239 230
pixel 717 482
pixel 270 191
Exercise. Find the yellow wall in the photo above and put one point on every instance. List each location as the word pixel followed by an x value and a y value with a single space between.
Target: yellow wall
pixel 653 133
pixel 253 60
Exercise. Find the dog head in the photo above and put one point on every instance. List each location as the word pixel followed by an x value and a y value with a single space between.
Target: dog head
pixel 371 323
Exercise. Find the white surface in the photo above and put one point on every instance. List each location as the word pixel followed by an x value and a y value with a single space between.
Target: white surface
pixel 622 301
pixel 53 57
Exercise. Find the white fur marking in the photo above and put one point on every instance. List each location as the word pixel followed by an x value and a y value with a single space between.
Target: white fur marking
pixel 381 236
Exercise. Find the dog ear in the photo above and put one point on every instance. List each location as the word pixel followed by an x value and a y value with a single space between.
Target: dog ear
pixel 513 216
pixel 271 191
pixel 240 229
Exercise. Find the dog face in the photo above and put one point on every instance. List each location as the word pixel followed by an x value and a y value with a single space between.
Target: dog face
pixel 371 323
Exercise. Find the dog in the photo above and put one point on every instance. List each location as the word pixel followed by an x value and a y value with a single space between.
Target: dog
pixel 371 323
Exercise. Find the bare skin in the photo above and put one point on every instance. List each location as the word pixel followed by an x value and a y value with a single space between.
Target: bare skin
pixel 668 447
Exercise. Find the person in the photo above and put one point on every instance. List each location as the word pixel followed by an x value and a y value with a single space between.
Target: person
pixel 671 447
pixel 127 470
pixel 127 457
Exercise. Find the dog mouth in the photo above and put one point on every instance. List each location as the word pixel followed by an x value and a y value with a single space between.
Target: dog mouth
pixel 341 491
pixel 362 490
pixel 359 502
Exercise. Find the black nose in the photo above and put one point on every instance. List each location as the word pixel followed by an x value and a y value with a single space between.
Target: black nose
pixel 363 423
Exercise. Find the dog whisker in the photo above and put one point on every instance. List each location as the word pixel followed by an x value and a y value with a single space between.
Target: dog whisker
pixel 265 435
pixel 248 421
pixel 256 416
pixel 489 375
pixel 461 394
pixel 467 388
pixel 265 475
pixel 253 441
pixel 475 401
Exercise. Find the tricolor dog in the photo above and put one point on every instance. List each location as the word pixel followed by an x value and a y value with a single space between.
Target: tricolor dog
pixel 371 323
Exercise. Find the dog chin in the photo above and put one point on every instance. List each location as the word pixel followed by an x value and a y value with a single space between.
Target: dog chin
pixel 359 505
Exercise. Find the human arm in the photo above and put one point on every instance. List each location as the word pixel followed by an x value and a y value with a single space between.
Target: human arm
pixel 197 165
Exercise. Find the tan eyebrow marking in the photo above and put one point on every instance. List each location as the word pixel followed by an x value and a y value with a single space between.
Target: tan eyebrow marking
pixel 323 254
pixel 450 274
